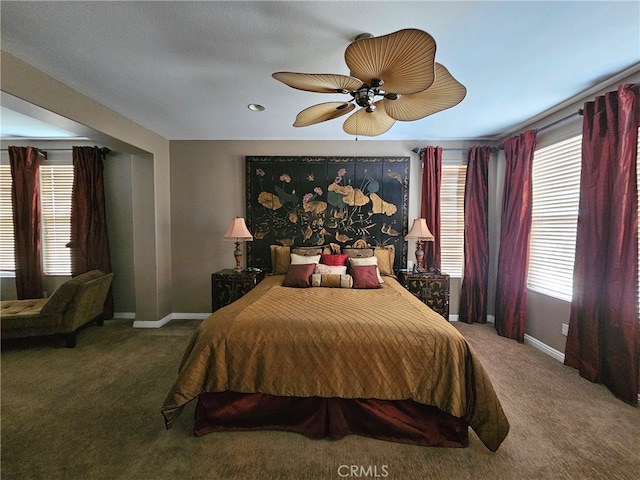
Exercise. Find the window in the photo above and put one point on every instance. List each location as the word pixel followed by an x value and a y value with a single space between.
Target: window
pixel 56 183
pixel 452 219
pixel 7 254
pixel 556 194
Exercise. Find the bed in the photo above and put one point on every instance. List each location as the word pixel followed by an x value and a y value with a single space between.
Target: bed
pixel 328 362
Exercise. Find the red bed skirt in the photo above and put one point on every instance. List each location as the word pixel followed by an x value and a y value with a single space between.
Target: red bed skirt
pixel 403 421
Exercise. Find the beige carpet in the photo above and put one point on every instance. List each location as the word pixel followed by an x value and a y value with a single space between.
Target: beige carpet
pixel 93 413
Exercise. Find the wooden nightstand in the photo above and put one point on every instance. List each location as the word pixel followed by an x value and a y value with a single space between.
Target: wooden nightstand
pixel 430 287
pixel 228 286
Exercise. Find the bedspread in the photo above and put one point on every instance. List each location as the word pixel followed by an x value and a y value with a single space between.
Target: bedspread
pixel 325 342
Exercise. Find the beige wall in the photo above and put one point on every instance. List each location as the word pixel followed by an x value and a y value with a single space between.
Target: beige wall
pixel 118 199
pixel 208 188
pixel 183 194
pixel 545 315
pixel 31 92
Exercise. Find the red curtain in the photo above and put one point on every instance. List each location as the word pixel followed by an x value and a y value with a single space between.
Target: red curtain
pixel 89 240
pixel 430 204
pixel 515 226
pixel 25 198
pixel 604 330
pixel 473 295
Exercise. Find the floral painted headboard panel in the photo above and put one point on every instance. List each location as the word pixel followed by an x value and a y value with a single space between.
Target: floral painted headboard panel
pixel 313 201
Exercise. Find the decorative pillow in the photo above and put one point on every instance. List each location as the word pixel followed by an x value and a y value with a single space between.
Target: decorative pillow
pixel 386 257
pixel 304 259
pixel 331 269
pixel 364 276
pixel 280 259
pixel 367 261
pixel 358 252
pixel 335 260
pixel 307 251
pixel 299 276
pixel 331 280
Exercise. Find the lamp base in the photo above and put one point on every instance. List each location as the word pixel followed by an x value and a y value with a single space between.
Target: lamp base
pixel 418 267
pixel 237 254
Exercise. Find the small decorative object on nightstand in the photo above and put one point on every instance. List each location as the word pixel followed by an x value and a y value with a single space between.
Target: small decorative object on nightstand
pixel 229 285
pixel 430 287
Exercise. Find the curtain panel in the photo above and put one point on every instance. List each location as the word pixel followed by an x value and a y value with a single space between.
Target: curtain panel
pixel 604 331
pixel 473 295
pixel 89 240
pixel 515 226
pixel 25 198
pixel 430 204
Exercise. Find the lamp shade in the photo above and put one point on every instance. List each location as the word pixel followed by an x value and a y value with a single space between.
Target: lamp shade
pixel 420 231
pixel 238 231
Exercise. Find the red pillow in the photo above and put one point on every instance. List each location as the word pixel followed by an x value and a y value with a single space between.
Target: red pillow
pixel 299 276
pixel 365 276
pixel 335 260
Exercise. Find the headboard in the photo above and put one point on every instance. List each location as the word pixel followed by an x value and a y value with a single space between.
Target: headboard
pixel 309 201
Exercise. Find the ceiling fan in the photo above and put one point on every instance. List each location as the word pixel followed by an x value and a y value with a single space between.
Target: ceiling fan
pixel 392 77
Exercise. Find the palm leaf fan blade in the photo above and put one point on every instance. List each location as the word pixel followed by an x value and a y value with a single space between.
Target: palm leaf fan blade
pixel 445 92
pixel 403 60
pixel 322 112
pixel 318 82
pixel 369 124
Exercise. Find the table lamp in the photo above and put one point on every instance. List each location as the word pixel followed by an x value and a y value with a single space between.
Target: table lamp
pixel 238 232
pixel 421 233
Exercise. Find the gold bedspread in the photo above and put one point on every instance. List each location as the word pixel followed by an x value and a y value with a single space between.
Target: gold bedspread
pixel 329 342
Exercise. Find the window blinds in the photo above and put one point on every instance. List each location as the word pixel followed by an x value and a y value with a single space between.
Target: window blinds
pixel 7 254
pixel 452 219
pixel 556 195
pixel 56 184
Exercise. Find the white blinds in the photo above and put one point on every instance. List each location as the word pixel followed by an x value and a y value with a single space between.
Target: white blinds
pixel 556 194
pixel 452 219
pixel 56 184
pixel 7 255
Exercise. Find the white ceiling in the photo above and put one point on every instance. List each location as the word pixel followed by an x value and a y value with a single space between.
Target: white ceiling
pixel 188 70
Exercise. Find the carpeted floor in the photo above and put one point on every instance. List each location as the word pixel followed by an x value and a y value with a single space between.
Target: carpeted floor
pixel 93 413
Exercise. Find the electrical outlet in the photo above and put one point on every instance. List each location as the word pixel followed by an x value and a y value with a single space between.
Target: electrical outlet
pixel 565 329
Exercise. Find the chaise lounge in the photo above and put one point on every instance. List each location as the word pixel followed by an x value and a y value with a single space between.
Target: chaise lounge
pixel 74 304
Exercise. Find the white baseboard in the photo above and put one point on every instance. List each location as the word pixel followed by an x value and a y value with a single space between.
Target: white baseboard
pixel 454 318
pixel 168 318
pixel 543 347
pixel 189 316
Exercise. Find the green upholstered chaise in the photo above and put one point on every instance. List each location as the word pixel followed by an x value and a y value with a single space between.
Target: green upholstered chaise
pixel 74 304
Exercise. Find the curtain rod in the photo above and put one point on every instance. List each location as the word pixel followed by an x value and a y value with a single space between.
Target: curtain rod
pixel 458 149
pixel 571 115
pixel 501 146
pixel 103 150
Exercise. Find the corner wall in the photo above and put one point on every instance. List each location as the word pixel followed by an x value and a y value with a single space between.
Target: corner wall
pixel 32 92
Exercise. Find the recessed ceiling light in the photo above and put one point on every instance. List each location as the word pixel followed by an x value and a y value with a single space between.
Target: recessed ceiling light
pixel 255 107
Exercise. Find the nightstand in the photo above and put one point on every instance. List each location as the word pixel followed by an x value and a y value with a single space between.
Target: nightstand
pixel 432 288
pixel 228 286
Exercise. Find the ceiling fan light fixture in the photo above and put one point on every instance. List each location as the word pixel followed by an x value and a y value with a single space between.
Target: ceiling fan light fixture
pixel 364 96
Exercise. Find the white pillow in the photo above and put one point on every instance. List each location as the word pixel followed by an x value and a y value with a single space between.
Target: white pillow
pixel 367 261
pixel 304 259
pixel 331 269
